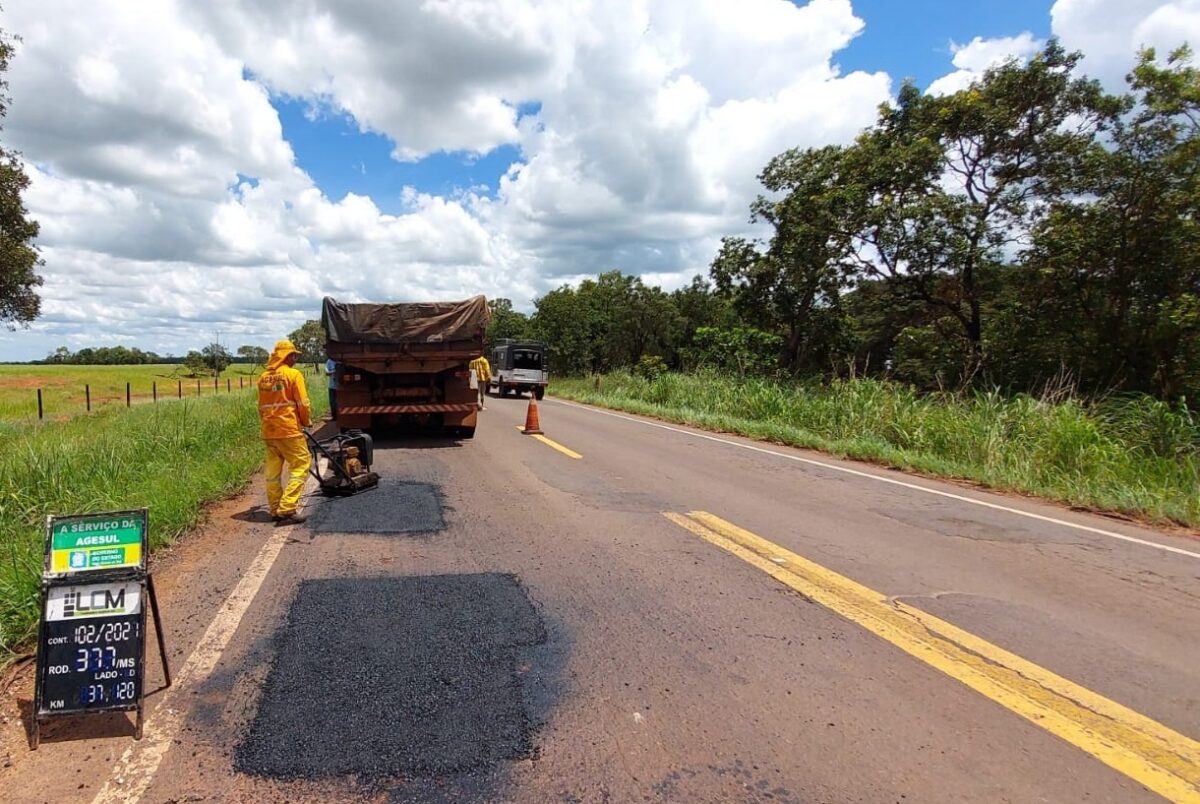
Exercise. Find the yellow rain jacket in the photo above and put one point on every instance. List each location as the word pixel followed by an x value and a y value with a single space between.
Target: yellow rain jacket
pixel 282 398
pixel 482 369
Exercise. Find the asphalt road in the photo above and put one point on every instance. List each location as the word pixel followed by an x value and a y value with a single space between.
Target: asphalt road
pixel 636 612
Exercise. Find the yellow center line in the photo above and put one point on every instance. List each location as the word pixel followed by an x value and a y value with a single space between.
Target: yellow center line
pixel 570 453
pixel 1146 751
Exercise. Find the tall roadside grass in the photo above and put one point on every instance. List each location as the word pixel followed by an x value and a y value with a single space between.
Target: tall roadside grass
pixel 1133 455
pixel 172 459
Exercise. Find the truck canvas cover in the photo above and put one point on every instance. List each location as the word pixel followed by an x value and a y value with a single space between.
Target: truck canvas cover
pixel 415 322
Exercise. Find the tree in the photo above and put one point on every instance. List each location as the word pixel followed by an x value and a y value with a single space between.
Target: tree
pixel 255 355
pixel 1120 258
pixel 802 271
pixel 736 350
pixel 310 340
pixel 946 187
pixel 696 306
pixel 60 355
pixel 561 320
pixel 19 303
pixel 194 363
pixel 216 358
pixel 505 323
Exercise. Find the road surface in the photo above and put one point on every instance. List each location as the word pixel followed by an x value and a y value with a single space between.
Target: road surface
pixel 627 611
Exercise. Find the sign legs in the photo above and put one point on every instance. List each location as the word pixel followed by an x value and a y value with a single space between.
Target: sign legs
pixel 162 643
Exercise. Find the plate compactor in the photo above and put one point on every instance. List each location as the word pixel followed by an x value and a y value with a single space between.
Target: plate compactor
pixel 348 469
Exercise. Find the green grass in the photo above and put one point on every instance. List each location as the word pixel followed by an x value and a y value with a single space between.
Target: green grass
pixel 172 458
pixel 63 387
pixel 1132 455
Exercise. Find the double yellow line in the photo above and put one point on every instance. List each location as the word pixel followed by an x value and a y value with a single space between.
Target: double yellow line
pixel 1146 751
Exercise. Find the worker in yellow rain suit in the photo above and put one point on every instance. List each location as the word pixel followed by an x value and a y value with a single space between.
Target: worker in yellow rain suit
pixel 483 375
pixel 284 410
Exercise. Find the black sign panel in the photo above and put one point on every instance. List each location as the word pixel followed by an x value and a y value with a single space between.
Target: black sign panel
pixel 91 647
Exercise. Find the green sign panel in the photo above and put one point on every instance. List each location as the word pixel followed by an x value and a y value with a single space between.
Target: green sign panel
pixel 96 542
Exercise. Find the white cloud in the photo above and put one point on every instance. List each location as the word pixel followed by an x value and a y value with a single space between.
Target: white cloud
pixel 1110 32
pixel 975 57
pixel 140 119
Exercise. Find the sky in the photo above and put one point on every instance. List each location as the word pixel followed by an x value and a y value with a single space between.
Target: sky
pixel 209 171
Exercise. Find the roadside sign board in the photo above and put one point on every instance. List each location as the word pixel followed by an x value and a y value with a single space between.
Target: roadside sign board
pixel 92 647
pixel 96 542
pixel 91 651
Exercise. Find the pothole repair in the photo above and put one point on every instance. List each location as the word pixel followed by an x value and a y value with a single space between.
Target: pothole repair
pixel 388 677
pixel 393 507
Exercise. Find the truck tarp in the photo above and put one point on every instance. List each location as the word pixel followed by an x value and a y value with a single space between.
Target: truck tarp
pixel 416 322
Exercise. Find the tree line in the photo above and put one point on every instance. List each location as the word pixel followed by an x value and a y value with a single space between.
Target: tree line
pixel 213 358
pixel 1030 229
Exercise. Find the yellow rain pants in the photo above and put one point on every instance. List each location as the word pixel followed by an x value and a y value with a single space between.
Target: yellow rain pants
pixel 294 452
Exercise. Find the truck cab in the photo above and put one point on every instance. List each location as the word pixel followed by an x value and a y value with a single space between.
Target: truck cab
pixel 519 366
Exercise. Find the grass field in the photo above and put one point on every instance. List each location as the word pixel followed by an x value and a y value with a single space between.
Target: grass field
pixel 63 387
pixel 1132 455
pixel 172 458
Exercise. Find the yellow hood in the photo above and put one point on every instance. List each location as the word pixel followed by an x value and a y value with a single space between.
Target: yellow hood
pixel 282 350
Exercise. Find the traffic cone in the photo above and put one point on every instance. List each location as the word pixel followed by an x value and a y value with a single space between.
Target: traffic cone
pixel 532 425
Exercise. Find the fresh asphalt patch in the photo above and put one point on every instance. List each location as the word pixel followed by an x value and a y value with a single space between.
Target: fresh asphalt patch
pixel 393 507
pixel 398 677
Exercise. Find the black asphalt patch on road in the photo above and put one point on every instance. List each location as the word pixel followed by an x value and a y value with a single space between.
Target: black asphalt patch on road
pixel 394 507
pixel 397 677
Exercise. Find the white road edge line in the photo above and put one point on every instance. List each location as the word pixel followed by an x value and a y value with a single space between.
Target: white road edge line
pixel 1087 528
pixel 131 776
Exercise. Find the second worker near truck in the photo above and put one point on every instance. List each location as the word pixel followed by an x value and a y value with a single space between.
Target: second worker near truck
pixel 483 375
pixel 284 410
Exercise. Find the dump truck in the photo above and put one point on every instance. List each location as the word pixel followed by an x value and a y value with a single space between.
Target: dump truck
pixel 406 364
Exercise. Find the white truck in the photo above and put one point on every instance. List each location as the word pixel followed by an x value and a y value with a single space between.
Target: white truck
pixel 519 366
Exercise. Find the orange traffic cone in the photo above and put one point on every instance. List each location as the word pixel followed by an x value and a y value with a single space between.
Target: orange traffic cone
pixel 532 425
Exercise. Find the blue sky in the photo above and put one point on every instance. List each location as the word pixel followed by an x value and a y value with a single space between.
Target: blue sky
pixel 911 38
pixel 342 159
pixel 904 38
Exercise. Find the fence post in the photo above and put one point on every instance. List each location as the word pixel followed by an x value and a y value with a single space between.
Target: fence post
pixel 181 389
pixel 39 404
pixel 240 385
pixel 126 394
pixel 197 386
pixel 216 382
pixel 154 390
pixel 87 393
pixel 228 385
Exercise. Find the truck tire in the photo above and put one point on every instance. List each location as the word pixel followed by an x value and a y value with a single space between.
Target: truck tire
pixel 539 392
pixel 462 432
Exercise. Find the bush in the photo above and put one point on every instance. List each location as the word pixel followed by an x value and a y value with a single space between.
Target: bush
pixel 650 367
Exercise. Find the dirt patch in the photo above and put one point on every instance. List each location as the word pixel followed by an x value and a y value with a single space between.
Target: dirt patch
pixel 48 381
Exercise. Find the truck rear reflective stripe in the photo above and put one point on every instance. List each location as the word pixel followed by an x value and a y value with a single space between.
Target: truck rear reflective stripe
pixel 351 410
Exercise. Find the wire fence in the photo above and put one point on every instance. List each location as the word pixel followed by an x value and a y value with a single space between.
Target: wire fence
pixel 166 393
pixel 57 401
